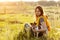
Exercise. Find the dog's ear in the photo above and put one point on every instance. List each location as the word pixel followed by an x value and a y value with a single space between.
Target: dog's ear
pixel 35 23
pixel 31 23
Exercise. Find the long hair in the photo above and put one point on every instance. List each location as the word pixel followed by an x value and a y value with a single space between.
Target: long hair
pixel 40 9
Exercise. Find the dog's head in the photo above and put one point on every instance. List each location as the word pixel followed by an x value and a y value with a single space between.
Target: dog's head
pixel 33 24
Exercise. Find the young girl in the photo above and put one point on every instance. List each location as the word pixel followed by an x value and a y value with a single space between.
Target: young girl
pixel 41 25
pixel 41 20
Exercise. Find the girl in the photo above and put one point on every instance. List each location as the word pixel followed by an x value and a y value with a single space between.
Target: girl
pixel 41 25
pixel 41 20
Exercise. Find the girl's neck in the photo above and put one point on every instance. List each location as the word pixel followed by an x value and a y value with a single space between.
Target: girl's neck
pixel 38 17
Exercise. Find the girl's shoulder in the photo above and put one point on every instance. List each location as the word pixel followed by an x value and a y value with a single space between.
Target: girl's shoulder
pixel 45 16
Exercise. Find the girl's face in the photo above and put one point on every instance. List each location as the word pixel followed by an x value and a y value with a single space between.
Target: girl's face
pixel 37 12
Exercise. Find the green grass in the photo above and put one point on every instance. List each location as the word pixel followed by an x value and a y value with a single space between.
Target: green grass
pixel 14 31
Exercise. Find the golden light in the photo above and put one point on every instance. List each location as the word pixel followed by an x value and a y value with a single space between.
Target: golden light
pixel 9 0
pixel 30 0
pixel 56 0
pixel 48 0
pixel 19 0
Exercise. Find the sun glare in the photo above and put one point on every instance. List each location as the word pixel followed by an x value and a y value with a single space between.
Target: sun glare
pixel 30 0
pixel 56 0
pixel 19 0
pixel 26 0
pixel 9 0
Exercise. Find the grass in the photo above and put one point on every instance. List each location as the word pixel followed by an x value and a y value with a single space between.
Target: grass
pixel 12 26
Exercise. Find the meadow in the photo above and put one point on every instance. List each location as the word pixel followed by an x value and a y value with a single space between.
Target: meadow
pixel 12 25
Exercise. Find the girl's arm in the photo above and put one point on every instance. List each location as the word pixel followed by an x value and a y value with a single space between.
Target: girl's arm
pixel 42 25
pixel 47 23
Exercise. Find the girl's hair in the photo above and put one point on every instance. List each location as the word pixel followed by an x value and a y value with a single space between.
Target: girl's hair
pixel 40 9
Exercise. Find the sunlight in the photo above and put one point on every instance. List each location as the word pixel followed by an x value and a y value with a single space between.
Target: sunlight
pixel 56 0
pixel 48 0
pixel 25 0
pixel 30 0
pixel 9 0
pixel 19 0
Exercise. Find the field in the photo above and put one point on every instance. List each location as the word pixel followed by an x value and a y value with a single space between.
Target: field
pixel 12 24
